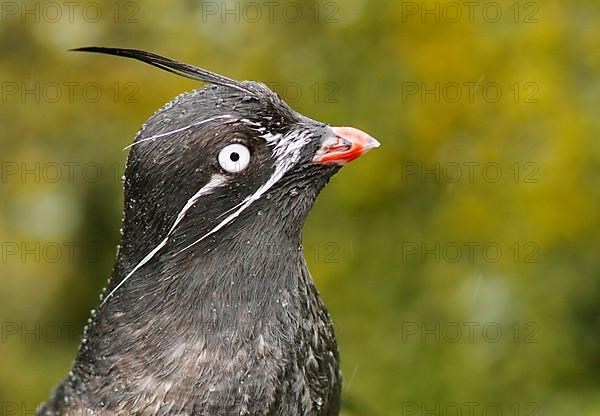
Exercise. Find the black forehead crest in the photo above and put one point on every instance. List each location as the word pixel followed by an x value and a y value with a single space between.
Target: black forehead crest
pixel 170 65
pixel 251 91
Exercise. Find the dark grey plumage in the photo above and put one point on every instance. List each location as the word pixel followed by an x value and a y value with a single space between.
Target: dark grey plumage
pixel 224 322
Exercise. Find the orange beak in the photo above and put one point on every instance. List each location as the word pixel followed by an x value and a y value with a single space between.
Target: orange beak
pixel 344 145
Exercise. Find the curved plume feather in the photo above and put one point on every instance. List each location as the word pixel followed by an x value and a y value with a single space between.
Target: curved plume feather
pixel 170 65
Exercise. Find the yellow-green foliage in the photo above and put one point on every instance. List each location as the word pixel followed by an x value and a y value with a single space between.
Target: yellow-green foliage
pixel 404 251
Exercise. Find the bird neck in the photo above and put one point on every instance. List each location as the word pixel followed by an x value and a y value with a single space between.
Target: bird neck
pixel 225 310
pixel 226 283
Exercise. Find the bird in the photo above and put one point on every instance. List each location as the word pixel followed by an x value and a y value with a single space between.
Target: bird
pixel 210 309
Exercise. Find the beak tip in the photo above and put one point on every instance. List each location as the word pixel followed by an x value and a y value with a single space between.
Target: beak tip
pixel 355 143
pixel 375 143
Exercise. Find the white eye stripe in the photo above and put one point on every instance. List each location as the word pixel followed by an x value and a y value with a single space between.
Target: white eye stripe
pixel 168 133
pixel 234 157
pixel 287 152
pixel 215 182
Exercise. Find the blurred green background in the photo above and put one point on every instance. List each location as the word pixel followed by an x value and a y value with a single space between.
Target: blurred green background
pixel 460 261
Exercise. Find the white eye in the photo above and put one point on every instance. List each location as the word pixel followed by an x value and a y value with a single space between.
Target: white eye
pixel 234 157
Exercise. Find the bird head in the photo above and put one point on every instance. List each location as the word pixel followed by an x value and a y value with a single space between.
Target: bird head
pixel 229 162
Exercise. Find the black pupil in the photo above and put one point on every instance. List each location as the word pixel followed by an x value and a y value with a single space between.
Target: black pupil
pixel 234 157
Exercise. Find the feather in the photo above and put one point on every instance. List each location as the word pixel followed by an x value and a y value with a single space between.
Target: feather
pixel 170 65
